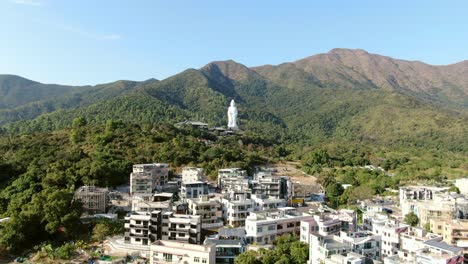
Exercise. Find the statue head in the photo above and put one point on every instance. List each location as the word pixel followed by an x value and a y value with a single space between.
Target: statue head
pixel 233 104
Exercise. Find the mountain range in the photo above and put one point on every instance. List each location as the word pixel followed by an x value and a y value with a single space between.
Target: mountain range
pixel 343 95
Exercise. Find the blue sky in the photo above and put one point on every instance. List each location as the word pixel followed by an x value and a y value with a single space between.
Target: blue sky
pixel 90 42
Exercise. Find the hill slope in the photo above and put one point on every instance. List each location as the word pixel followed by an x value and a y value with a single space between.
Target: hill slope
pixel 359 69
pixel 16 91
pixel 341 96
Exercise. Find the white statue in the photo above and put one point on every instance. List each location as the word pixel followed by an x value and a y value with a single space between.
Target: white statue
pixel 232 115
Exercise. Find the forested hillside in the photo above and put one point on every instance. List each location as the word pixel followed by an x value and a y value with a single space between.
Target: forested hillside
pixel 39 173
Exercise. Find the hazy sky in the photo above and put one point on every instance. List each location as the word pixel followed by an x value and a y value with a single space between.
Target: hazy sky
pixel 97 41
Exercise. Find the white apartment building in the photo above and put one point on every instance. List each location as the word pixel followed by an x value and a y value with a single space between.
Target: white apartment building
pixel 411 241
pixel 369 217
pixel 347 258
pixel 430 251
pixel 264 202
pixel 436 252
pixel 234 179
pixel 230 243
pixel 142 228
pixel 264 227
pixel 148 202
pixel 236 208
pixel 192 174
pixel 209 209
pixel 390 230
pixel 146 178
pixel 328 224
pixel 181 228
pixel 193 190
pixel 175 252
pixel 264 183
pixel 326 249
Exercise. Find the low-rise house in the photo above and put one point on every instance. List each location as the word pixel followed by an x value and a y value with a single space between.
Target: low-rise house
pixel 264 227
pixel 236 208
pixel 209 209
pixel 390 230
pixel 175 252
pixel 453 231
pixel 325 249
pixel 328 224
pixel 146 178
pixel 264 183
pixel 181 228
pixel 264 202
pixel 230 243
pixel 142 228
pixel 193 190
pixel 232 179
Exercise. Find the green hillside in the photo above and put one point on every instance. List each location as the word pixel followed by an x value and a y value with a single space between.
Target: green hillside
pixel 340 96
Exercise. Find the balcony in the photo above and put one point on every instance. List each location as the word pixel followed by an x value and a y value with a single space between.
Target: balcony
pixel 211 225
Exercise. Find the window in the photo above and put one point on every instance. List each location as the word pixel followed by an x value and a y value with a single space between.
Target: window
pixel 167 257
pixel 259 229
pixel 271 228
pixel 196 259
pixel 204 260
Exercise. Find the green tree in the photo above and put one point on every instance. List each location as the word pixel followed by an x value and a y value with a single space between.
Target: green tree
pixel 249 257
pixel 100 231
pixel 454 189
pixel 411 219
pixel 299 252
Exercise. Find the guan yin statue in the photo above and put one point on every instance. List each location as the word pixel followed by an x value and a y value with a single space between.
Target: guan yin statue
pixel 232 116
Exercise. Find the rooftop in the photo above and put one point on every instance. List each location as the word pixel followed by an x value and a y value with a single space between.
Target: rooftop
pixel 443 246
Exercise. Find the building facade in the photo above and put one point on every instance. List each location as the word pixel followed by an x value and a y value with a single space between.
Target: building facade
pixel 175 252
pixel 147 178
pixel 93 199
pixel 265 227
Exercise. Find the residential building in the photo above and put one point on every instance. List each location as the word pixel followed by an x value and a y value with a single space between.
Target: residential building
pixel 180 227
pixel 176 252
pixel 192 174
pixel 453 231
pixel 390 230
pixel 209 209
pixel 411 240
pixel 93 199
pixel 436 252
pixel 230 242
pixel 323 247
pixel 193 190
pixel 347 258
pixel 328 224
pixel 142 228
pixel 264 227
pixel 236 208
pixel 432 203
pixel 264 202
pixel 232 179
pixel 146 178
pixel 264 183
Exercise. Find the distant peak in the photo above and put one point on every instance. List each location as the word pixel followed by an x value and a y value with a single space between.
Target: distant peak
pixel 229 68
pixel 344 51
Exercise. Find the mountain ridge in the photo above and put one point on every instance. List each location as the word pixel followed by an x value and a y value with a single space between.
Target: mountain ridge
pixel 344 95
